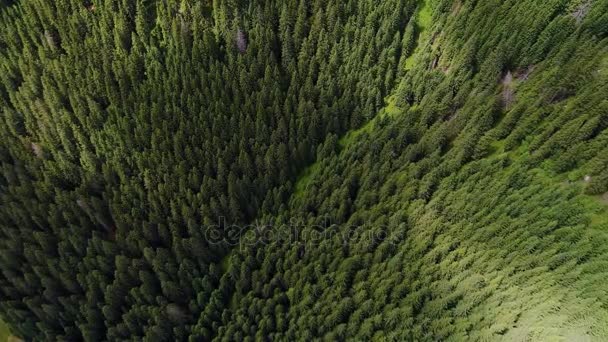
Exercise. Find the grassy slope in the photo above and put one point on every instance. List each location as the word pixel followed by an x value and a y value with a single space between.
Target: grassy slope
pixel 423 22
pixel 545 303
pixel 5 332
pixel 524 262
pixel 557 305
pixel 424 16
pixel 390 110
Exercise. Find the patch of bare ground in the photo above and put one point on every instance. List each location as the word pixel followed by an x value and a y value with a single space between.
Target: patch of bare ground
pixel 435 62
pixel 522 74
pixel 508 93
pixel 37 150
pixel 456 6
pixel 581 12
pixel 508 84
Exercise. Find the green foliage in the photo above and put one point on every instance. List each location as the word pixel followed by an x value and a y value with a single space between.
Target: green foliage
pixel 449 154
pixel 5 332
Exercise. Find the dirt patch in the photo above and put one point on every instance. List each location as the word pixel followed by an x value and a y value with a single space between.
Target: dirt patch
pixel 37 150
pixel 89 5
pixel 435 62
pixel 241 41
pixel 523 73
pixel 508 93
pixel 581 12
pixel 605 198
pixel 50 39
pixel 456 6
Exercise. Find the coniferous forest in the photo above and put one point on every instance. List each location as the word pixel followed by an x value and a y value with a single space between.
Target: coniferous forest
pixel 303 170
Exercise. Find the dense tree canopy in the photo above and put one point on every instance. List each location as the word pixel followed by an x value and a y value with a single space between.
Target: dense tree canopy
pixel 449 156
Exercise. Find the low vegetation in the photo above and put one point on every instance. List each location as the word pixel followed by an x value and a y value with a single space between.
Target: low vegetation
pixel 304 170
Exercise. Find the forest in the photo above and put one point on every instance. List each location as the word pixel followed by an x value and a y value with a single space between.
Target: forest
pixel 304 170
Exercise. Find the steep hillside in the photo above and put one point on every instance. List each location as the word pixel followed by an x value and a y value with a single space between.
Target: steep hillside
pixel 129 127
pixel 304 170
pixel 476 210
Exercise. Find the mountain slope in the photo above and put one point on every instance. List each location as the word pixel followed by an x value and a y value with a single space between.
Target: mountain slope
pixel 367 170
pixel 470 214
